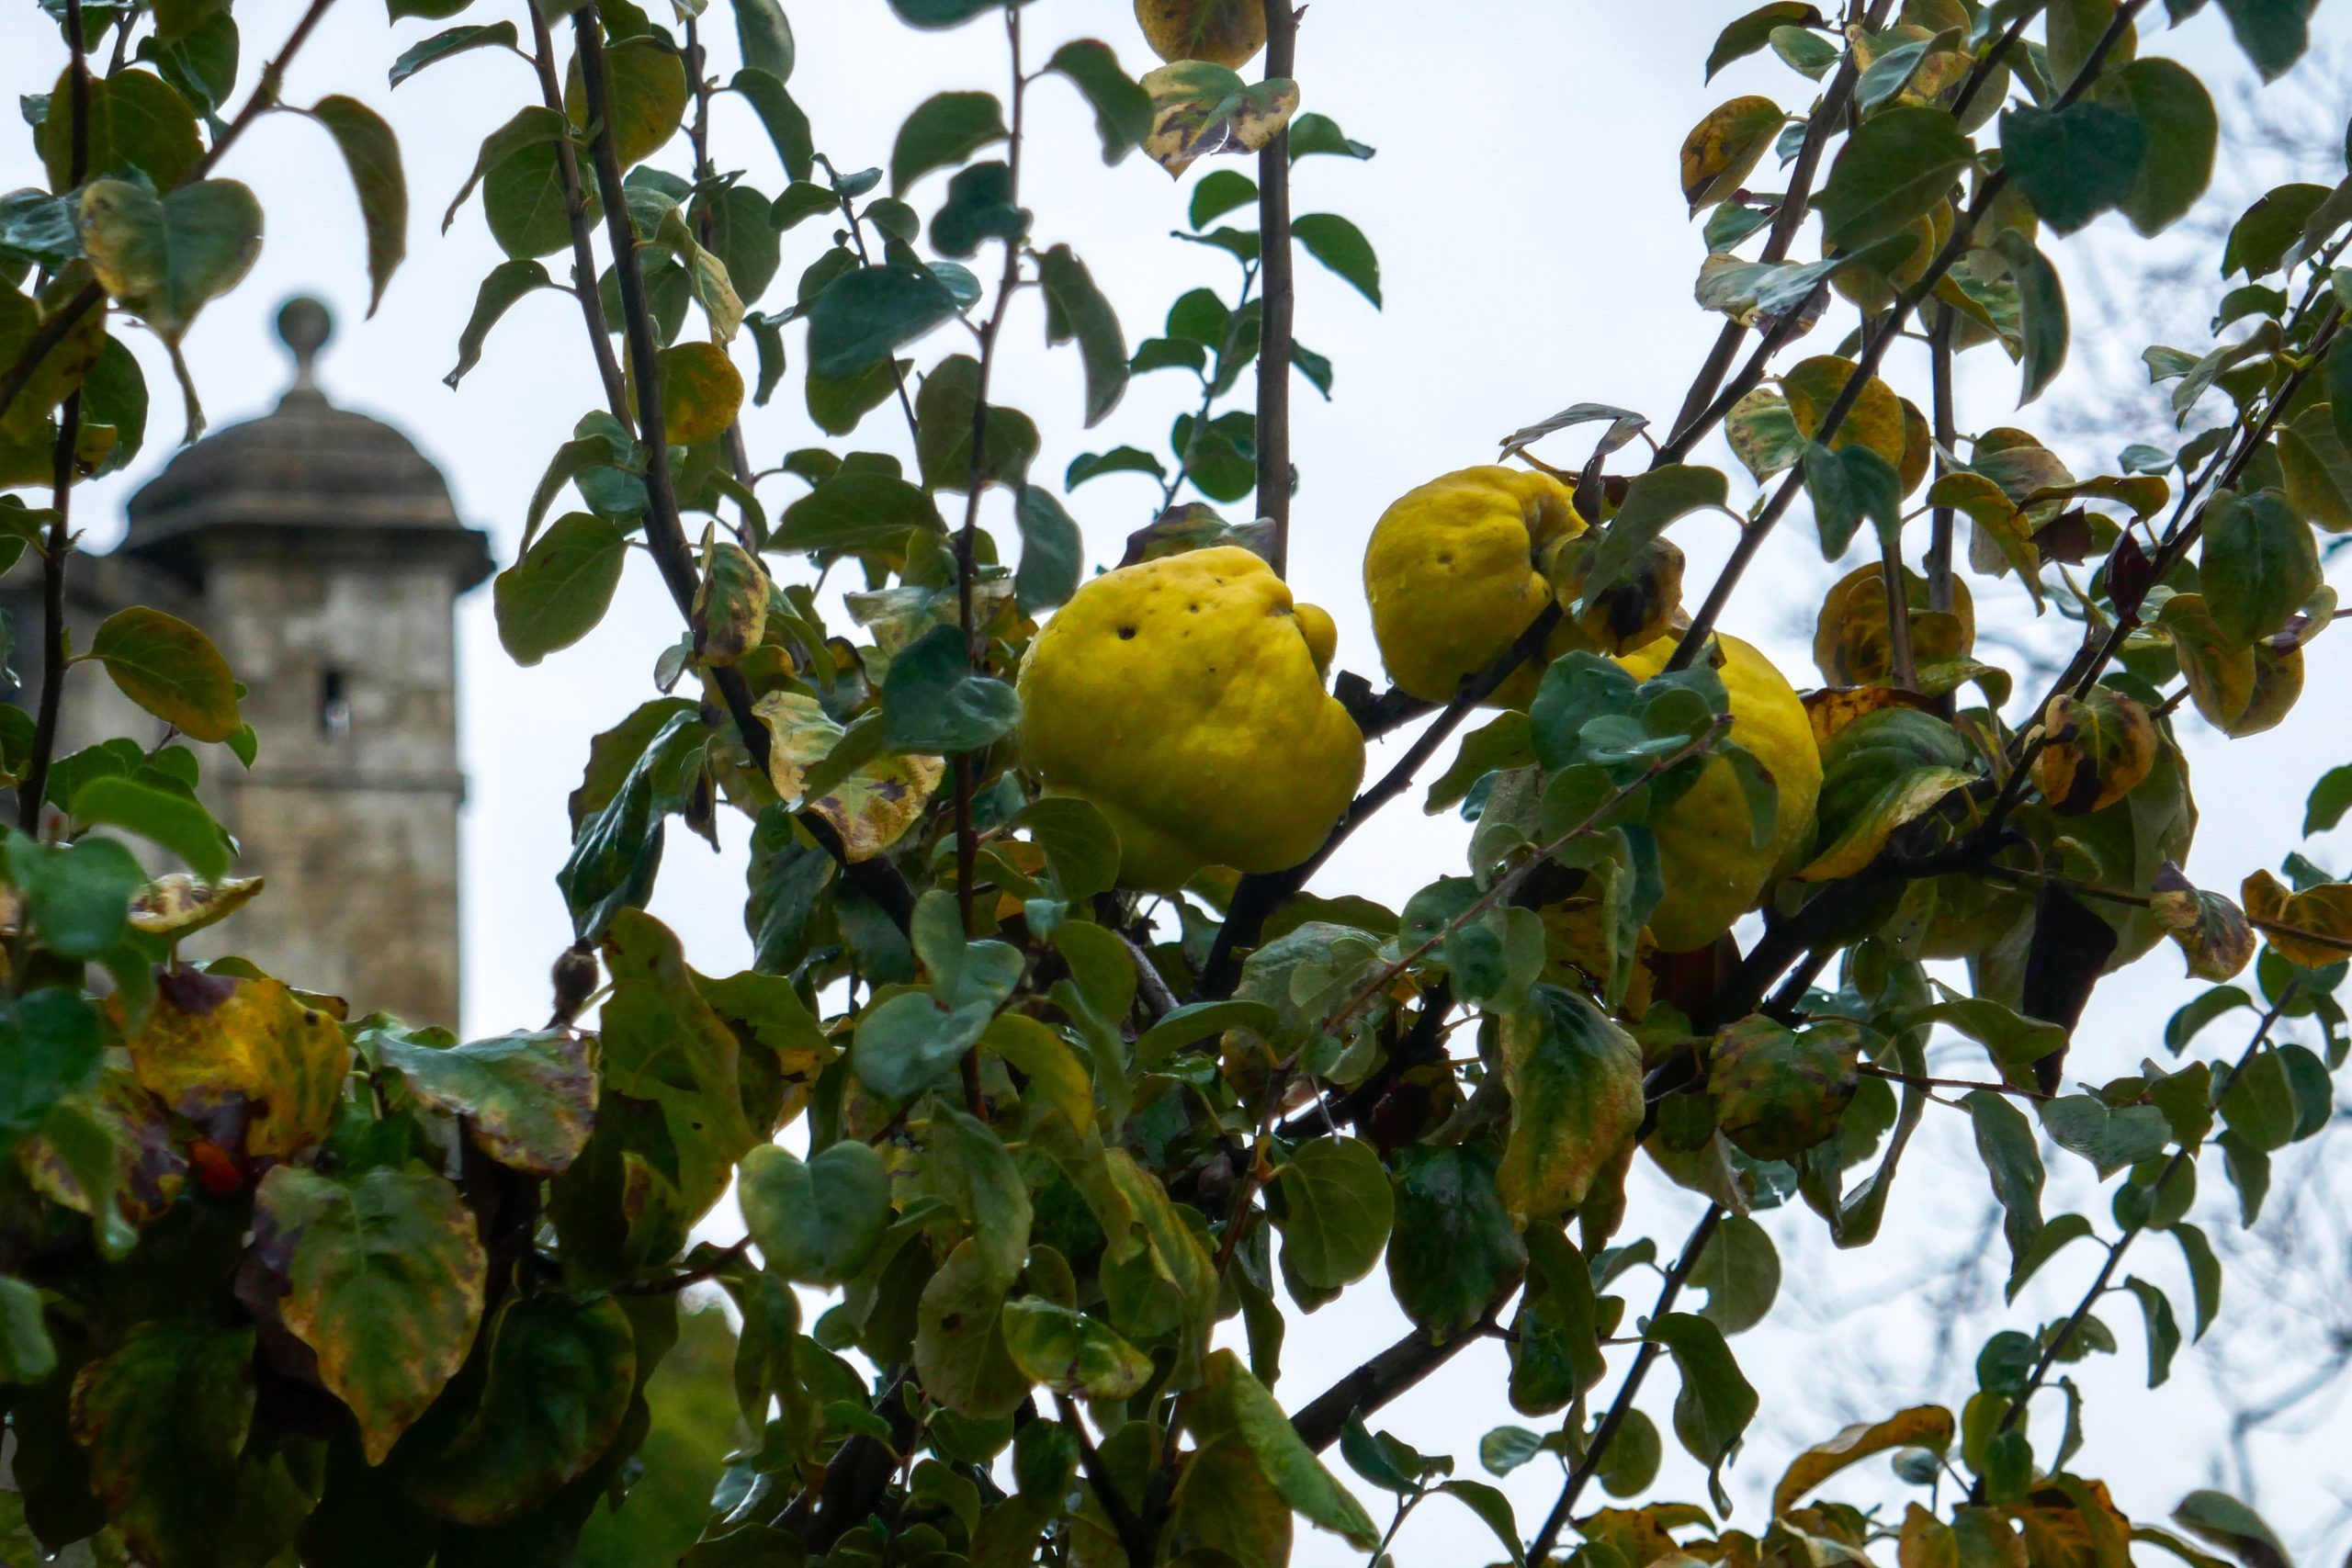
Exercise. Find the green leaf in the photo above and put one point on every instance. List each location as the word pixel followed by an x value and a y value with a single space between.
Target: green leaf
pixel 861 317
pixel 1453 1251
pixel 1219 192
pixel 2274 34
pixel 137 122
pixel 1847 487
pixel 163 1418
pixel 1654 499
pixel 1072 1353
pixel 27 1354
pixel 730 604
pixel 505 283
pixel 1196 1021
pixel 2258 564
pixel 372 154
pixel 78 896
pixel 662 1040
pixel 1753 30
pixel 442 45
pixel 857 510
pixel 2005 1142
pixel 645 88
pixel 2110 1139
pixel 2041 306
pixel 2259 1104
pixel 908 1041
pixel 1337 1210
pixel 1894 170
pixel 2229 1524
pixel 816 1224
pixel 2048 1243
pixel 1340 245
pixel 50 1050
pixel 2182 132
pixel 176 821
pixel 2163 1330
pixel 934 704
pixel 561 1375
pixel 1052 552
pixel 1077 311
pixel 527 1100
pixel 1740 1270
pixel 959 1352
pixel 782 118
pixel 2204 1274
pixel 384 1279
pixel 945 410
pixel 945 129
pixel 2074 163
pixel 1281 1456
pixel 1576 1092
pixel 1715 1403
pixel 2258 241
pixel 765 38
pixel 163 257
pixel 560 589
pixel 172 669
pixel 1122 109
pixel 977 1173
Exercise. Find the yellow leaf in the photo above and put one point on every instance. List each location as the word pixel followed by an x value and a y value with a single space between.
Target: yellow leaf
pixel 245 1059
pixel 1199 109
pixel 1926 1541
pixel 177 904
pixel 2095 750
pixel 1922 1427
pixel 1722 148
pixel 2324 912
pixel 873 806
pixel 701 393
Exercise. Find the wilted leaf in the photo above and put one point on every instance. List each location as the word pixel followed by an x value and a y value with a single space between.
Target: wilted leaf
pixel 1576 1088
pixel 1199 109
pixel 870 808
pixel 1922 1427
pixel 245 1059
pixel 528 1101
pixel 2095 750
pixel 1779 1092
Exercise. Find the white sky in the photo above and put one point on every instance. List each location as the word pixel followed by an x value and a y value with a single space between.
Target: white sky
pixel 1533 254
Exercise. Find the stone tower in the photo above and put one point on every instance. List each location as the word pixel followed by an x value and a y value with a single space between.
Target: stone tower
pixel 322 553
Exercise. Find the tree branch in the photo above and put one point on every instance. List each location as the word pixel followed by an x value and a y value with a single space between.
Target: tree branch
pixel 1373 1385
pixel 1280 300
pixel 666 538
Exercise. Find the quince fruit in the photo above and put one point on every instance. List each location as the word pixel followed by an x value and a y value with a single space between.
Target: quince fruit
pixel 1453 574
pixel 1181 698
pixel 1713 868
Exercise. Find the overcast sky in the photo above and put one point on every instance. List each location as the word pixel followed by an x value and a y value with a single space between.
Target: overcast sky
pixel 1534 254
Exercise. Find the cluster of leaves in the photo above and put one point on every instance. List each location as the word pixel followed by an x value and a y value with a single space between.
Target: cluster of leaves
pixel 277 1283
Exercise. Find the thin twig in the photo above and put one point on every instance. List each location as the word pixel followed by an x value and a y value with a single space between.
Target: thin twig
pixel 1603 1435
pixel 670 1284
pixel 1873 1070
pixel 2066 1331
pixel 1132 1539
pixel 1963 229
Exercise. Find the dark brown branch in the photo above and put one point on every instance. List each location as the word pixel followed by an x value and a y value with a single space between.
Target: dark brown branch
pixel 1619 1407
pixel 1372 1385
pixel 670 1284
pixel 1279 298
pixel 60 545
pixel 1134 1540
pixel 1944 419
pixel 58 327
pixel 665 538
pixel 583 251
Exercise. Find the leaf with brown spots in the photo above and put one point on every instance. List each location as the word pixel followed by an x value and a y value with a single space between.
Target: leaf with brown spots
pixel 2096 750
pixel 2323 914
pixel 384 1281
pixel 1778 1092
pixel 245 1059
pixel 873 806
pixel 1722 147
pixel 1224 32
pixel 2214 933
pixel 528 1099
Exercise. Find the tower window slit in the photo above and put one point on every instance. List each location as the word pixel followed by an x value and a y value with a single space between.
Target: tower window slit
pixel 335 706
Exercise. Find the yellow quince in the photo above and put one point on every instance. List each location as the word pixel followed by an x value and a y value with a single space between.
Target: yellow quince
pixel 1452 574
pixel 1181 698
pixel 1712 868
